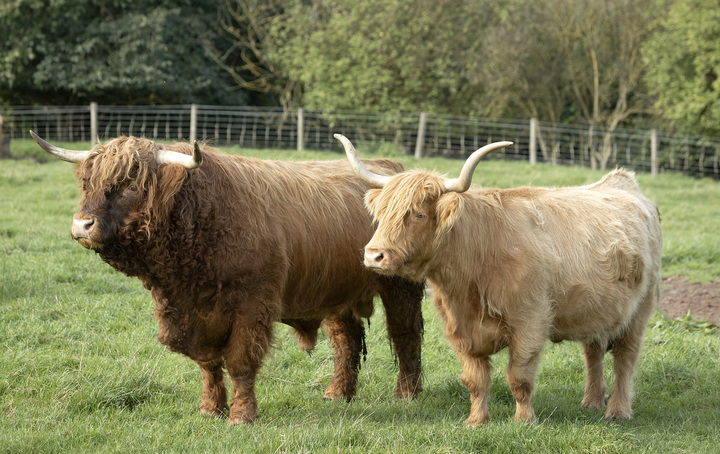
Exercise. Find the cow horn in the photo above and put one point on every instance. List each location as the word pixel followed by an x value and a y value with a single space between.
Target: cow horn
pixel 462 183
pixel 364 174
pixel 173 157
pixel 62 153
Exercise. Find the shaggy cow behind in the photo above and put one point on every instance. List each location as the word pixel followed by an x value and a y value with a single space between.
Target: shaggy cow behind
pixel 515 267
pixel 229 245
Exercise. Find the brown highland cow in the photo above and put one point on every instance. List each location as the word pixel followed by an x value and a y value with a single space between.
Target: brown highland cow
pixel 229 245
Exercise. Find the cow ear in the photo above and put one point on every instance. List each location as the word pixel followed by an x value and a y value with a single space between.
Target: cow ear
pixel 448 209
pixel 370 198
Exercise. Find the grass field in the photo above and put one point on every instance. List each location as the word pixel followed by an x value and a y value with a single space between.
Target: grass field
pixel 81 369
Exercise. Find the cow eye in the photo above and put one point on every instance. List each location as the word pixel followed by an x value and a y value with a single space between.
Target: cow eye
pixel 132 188
pixel 421 216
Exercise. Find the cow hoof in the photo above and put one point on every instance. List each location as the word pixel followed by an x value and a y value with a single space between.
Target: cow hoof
pixel 529 421
pixel 237 421
pixel 404 394
pixel 526 417
pixel 242 419
pixel 618 408
pixel 329 398
pixel 333 394
pixel 618 414
pixel 215 413
pixel 594 404
pixel 477 422
pixel 407 392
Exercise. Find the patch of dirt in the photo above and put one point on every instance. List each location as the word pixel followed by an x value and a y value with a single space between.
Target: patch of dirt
pixel 679 296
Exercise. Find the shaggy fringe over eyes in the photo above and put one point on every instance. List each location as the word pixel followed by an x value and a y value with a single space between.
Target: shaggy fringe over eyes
pixel 127 159
pixel 403 195
pixel 119 161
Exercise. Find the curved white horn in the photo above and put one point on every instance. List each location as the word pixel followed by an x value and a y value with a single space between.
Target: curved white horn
pixel 462 183
pixel 187 161
pixel 62 153
pixel 373 179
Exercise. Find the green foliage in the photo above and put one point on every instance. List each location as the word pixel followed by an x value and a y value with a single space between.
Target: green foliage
pixel 520 65
pixel 130 52
pixel 683 59
pixel 243 37
pixel 381 54
pixel 583 61
pixel 81 369
pixel 568 60
pixel 688 324
pixel 557 60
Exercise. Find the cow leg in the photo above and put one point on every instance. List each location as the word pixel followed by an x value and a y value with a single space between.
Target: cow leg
pixel 626 350
pixel 402 300
pixel 214 396
pixel 248 345
pixel 521 378
pixel 525 352
pixel 347 336
pixel 476 378
pixel 594 381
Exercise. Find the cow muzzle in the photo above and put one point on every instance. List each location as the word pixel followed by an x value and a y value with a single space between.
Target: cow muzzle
pixel 378 259
pixel 80 231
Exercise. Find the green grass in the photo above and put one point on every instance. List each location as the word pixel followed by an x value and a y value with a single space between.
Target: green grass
pixel 81 369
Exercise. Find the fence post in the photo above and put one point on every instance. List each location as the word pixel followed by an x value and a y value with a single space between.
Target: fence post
pixel 193 122
pixel 300 130
pixel 93 124
pixel 533 141
pixel 653 153
pixel 420 142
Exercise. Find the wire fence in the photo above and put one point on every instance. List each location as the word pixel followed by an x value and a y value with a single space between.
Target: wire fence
pixel 414 133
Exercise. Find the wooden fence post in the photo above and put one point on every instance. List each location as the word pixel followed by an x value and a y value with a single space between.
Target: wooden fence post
pixel 653 153
pixel 420 142
pixel 193 122
pixel 93 124
pixel 533 141
pixel 300 130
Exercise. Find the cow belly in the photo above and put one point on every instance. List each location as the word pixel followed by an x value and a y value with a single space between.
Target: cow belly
pixel 327 293
pixel 584 315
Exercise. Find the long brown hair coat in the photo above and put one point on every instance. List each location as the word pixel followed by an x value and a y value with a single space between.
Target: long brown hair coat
pixel 237 244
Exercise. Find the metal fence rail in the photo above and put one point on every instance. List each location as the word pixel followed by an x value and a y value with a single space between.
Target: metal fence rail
pixel 421 134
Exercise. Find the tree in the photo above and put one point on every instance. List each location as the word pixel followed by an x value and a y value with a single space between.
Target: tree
pixel 522 67
pixel 130 52
pixel 571 60
pixel 382 55
pixel 683 59
pixel 602 45
pixel 244 27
